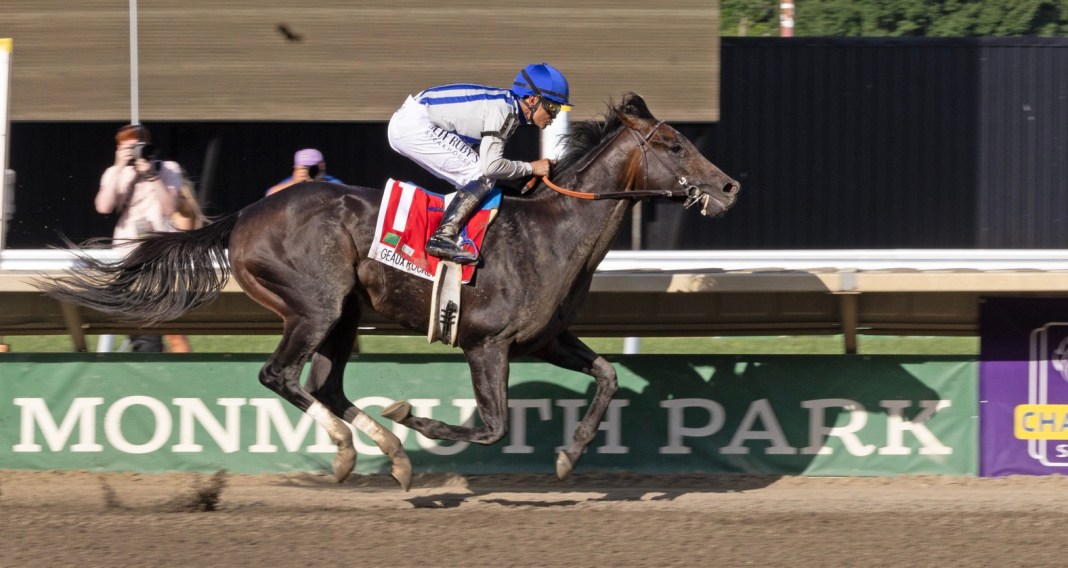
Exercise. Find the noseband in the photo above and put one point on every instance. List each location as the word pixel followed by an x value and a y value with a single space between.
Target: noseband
pixel 690 191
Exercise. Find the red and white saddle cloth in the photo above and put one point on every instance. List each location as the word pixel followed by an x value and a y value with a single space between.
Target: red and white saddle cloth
pixel 409 215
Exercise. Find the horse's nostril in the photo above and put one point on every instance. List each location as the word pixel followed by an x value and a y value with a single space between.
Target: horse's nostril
pixel 731 188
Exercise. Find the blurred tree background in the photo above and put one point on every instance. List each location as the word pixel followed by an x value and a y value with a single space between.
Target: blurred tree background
pixel 890 18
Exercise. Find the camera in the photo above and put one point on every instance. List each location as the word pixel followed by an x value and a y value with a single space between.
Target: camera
pixel 143 151
pixel 314 172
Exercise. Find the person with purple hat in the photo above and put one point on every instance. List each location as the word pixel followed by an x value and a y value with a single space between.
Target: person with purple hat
pixel 308 165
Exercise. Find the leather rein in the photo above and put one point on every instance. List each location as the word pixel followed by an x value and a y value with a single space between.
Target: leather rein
pixel 690 191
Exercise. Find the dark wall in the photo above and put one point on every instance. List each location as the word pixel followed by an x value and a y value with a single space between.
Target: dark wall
pixel 844 144
pixel 838 143
pixel 1022 144
pixel 232 163
pixel 887 143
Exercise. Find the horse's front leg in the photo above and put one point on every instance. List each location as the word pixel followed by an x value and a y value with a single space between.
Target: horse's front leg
pixel 489 376
pixel 568 352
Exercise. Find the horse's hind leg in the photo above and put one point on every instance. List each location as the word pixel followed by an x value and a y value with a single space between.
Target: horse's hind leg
pixel 489 376
pixel 307 323
pixel 326 383
pixel 281 374
pixel 569 352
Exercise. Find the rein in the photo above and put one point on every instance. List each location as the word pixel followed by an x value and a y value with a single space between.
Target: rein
pixel 610 194
pixel 688 190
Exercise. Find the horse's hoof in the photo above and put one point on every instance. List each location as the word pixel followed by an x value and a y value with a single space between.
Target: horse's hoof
pixel 398 411
pixel 563 465
pixel 402 472
pixel 344 462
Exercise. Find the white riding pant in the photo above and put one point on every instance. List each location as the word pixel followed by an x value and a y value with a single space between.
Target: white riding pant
pixel 439 151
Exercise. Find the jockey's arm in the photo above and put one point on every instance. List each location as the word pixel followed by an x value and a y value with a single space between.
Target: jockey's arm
pixel 495 166
pixel 497 127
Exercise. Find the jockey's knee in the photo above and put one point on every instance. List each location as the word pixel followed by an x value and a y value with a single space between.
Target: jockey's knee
pixel 479 186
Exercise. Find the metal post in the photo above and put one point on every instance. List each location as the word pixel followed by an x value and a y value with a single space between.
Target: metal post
pixel 552 138
pixel 5 177
pixel 134 118
pixel 633 345
pixel 786 18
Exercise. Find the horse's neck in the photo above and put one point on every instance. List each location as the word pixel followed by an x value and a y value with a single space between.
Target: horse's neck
pixel 591 226
pixel 580 232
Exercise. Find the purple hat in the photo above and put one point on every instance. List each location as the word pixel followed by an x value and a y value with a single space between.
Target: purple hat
pixel 307 157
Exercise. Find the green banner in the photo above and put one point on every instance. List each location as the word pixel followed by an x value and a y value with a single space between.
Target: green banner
pixel 812 415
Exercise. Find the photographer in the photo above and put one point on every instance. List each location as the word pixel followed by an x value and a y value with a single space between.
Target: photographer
pixel 308 165
pixel 141 188
pixel 145 191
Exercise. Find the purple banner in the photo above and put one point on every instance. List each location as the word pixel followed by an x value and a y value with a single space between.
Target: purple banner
pixel 1023 386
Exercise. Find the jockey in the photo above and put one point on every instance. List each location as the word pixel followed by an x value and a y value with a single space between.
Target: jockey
pixel 441 127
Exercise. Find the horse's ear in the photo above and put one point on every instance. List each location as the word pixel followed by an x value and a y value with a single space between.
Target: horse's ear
pixel 634 105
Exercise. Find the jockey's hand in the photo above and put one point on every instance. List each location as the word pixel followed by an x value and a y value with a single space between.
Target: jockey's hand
pixel 541 167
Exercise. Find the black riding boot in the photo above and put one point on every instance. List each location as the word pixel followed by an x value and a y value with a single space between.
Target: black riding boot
pixel 443 244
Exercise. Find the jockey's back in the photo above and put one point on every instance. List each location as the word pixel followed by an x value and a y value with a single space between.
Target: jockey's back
pixel 469 111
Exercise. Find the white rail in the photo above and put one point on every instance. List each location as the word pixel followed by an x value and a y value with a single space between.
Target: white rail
pixel 48 260
pixel 839 260
pixel 848 292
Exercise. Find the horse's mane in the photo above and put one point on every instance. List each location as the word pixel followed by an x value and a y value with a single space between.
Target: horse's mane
pixel 586 136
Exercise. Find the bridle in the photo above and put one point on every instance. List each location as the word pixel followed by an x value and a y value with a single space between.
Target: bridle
pixel 688 190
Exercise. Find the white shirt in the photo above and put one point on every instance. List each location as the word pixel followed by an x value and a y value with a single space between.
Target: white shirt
pixel 148 207
pixel 483 117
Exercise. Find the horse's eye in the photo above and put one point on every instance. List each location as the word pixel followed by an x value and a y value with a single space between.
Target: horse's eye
pixel 677 148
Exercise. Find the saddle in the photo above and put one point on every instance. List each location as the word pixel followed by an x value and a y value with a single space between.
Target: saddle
pixel 408 216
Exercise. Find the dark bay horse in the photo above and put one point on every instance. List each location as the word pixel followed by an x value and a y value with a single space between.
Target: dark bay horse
pixel 302 253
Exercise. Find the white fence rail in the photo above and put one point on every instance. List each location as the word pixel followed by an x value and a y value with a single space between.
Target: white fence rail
pixel 846 292
pixel 730 260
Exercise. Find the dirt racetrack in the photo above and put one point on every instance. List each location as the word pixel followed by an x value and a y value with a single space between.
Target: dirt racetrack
pixel 594 519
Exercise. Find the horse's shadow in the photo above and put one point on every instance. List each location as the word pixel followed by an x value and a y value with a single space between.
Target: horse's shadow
pixel 441 491
pixel 576 490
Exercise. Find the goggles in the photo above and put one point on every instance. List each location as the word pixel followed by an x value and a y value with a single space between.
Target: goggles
pixel 553 107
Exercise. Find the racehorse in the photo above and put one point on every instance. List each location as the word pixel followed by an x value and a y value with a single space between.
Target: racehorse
pixel 303 254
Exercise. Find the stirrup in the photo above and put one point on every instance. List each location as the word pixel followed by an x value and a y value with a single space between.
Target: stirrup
pixel 464 257
pixel 448 250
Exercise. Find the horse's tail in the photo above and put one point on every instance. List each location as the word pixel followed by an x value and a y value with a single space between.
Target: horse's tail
pixel 162 277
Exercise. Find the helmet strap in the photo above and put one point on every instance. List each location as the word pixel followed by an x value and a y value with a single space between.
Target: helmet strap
pixel 537 93
pixel 531 84
pixel 530 108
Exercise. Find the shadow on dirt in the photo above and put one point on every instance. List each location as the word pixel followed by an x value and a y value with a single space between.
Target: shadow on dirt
pixel 547 491
pixel 444 491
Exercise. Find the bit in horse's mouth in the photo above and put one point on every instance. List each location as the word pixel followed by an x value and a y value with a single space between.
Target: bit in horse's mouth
pixel 706 201
pixel 713 207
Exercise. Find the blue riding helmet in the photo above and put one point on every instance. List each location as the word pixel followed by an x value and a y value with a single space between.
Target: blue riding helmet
pixel 542 79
